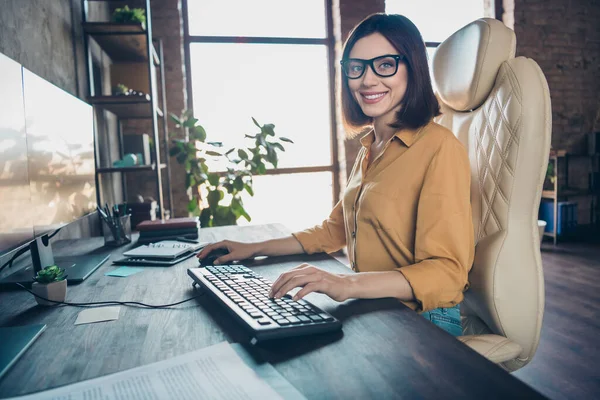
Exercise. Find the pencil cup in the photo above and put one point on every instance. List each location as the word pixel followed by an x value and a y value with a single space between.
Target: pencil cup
pixel 117 230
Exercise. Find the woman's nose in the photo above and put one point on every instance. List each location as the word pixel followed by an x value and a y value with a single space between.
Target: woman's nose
pixel 369 77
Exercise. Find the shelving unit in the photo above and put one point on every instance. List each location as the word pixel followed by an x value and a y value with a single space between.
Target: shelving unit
pixel 136 56
pixel 560 159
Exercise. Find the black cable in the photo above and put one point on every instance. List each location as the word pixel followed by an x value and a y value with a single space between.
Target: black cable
pixel 17 254
pixel 124 303
pixel 24 249
pixel 54 233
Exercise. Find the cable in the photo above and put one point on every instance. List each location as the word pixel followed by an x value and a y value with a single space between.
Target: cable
pixel 24 249
pixel 124 303
pixel 17 254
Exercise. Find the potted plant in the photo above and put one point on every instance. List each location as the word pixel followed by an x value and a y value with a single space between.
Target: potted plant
pixel 126 14
pixel 50 283
pixel 215 196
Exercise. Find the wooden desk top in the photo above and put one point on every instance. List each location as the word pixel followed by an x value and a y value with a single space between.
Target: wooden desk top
pixel 385 350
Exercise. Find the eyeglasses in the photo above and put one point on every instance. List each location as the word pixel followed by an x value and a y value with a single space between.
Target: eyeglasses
pixel 383 66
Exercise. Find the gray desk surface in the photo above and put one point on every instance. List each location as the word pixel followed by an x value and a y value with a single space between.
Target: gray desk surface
pixel 385 350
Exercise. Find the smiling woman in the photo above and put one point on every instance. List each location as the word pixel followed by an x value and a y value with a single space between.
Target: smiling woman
pixel 405 215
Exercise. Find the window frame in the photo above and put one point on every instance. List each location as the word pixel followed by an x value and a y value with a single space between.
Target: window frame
pixel 328 42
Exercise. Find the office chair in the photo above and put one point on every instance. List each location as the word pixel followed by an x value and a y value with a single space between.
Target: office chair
pixel 499 108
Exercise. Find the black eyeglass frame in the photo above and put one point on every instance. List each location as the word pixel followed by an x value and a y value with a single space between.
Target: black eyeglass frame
pixel 370 63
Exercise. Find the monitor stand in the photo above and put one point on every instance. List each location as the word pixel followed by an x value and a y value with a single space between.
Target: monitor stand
pixel 77 268
pixel 15 340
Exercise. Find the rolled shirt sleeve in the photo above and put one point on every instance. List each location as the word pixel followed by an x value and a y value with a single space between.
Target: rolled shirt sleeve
pixel 328 237
pixel 444 239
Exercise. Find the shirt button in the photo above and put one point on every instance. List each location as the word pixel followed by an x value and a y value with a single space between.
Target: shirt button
pixel 353 234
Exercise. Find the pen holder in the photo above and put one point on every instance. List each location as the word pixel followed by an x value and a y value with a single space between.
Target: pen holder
pixel 117 230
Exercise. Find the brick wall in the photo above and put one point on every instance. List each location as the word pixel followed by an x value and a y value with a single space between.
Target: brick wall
pixel 563 37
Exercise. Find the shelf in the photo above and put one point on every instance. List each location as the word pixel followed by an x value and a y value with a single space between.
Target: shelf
pixel 550 194
pixel 557 153
pixel 126 106
pixel 136 168
pixel 123 42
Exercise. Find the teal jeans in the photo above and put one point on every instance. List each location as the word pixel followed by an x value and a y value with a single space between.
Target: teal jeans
pixel 446 318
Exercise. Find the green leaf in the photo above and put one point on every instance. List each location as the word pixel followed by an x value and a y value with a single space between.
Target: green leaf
pixel 238 184
pixel 190 123
pixel 205 217
pixel 174 151
pixel 256 123
pixel 181 157
pixel 215 144
pixel 262 169
pixel 192 205
pixel 198 133
pixel 230 151
pixel 262 141
pixel 249 189
pixel 284 139
pixel 278 145
pixel 213 179
pixel 250 136
pixel 213 198
pixel 269 129
pixel 242 154
pixel 175 119
pixel 213 153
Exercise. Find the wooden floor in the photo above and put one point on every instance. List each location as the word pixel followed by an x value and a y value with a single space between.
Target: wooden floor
pixel 567 362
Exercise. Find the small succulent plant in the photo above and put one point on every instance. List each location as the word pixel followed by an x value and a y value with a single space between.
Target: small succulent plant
pixel 50 274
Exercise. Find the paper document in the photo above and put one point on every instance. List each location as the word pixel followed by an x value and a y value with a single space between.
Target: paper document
pixel 215 372
pixel 98 314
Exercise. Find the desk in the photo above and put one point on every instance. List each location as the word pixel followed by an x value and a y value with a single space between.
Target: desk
pixel 385 350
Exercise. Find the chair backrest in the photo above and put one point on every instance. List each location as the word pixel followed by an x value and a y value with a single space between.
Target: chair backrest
pixel 499 108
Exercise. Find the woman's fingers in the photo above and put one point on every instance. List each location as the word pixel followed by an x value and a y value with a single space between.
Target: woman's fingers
pixel 296 281
pixel 309 288
pixel 210 247
pixel 283 278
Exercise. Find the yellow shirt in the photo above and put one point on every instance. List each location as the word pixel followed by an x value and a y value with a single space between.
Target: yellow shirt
pixel 408 211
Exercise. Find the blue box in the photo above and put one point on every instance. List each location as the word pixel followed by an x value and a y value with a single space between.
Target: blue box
pixel 567 216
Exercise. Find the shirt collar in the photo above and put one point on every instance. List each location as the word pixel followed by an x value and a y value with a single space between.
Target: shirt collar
pixel 407 136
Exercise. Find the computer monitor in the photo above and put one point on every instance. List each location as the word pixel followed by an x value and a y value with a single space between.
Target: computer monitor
pixel 47 170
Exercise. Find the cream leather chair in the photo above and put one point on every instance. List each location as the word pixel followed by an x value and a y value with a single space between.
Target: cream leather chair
pixel 499 108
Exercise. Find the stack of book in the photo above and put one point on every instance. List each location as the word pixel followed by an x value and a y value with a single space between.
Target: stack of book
pixel 170 229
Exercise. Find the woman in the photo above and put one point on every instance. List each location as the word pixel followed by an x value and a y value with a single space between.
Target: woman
pixel 405 215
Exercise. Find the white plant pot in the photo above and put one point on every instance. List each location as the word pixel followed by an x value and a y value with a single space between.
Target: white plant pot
pixel 56 291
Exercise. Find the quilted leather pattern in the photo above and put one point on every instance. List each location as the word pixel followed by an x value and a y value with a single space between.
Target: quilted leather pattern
pixel 497 145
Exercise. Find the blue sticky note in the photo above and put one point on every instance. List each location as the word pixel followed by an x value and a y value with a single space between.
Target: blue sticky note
pixel 124 271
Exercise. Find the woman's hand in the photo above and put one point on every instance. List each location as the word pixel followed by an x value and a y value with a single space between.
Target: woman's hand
pixel 311 279
pixel 237 251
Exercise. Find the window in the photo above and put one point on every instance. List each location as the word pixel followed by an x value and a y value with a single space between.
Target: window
pixel 269 60
pixel 437 19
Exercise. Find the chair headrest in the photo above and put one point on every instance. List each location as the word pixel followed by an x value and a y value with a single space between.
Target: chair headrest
pixel 466 64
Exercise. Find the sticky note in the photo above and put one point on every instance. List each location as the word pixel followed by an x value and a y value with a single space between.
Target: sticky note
pixel 98 314
pixel 124 271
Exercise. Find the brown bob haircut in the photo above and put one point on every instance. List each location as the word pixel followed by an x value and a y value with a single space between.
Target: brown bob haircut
pixel 419 104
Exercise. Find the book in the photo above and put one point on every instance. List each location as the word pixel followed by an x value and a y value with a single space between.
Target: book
pixel 169 224
pixel 169 232
pixel 154 239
